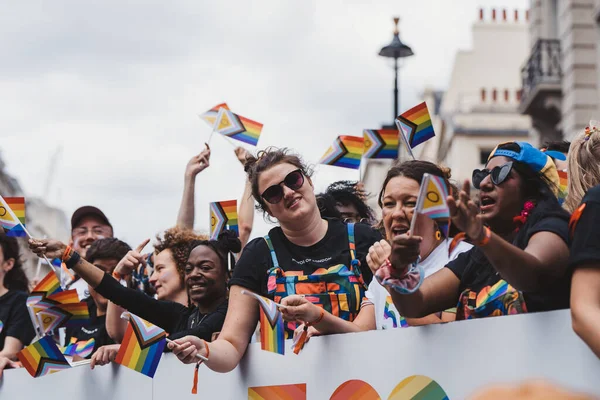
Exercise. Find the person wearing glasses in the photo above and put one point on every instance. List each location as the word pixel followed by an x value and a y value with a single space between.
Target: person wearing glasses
pixel 349 199
pixel 520 233
pixel 320 258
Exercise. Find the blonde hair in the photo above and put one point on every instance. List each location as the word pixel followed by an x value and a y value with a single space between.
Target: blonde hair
pixel 584 166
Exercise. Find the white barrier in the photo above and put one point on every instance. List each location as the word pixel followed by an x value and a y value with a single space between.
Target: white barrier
pixel 461 357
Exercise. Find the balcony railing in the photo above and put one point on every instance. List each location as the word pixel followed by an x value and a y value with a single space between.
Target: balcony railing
pixel 542 67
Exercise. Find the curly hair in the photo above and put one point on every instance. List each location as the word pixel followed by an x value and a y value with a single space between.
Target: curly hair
pixel 348 193
pixel 181 242
pixel 15 279
pixel 584 167
pixel 266 159
pixel 107 249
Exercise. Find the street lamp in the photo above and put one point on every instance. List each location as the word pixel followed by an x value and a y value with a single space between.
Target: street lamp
pixel 396 50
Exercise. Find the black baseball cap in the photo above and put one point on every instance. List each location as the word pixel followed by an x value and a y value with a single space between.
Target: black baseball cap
pixel 85 211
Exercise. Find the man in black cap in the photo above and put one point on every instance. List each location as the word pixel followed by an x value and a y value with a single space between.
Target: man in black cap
pixel 88 224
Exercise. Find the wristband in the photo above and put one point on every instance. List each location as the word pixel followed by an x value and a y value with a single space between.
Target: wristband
pixel 318 319
pixel 487 235
pixel 207 348
pixel 117 275
pixel 73 260
pixel 68 253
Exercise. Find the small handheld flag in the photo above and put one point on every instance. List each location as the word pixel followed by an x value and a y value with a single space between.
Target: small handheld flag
pixel 48 286
pixel 8 219
pixel 82 349
pixel 432 202
pixel 272 333
pixel 210 116
pixel 346 152
pixel 382 143
pixel 238 127
pixel 223 214
pixel 415 126
pixel 43 357
pixel 142 346
pixel 17 204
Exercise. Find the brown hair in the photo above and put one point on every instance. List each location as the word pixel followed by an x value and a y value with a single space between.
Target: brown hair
pixel 181 242
pixel 266 159
pixel 15 279
pixel 584 167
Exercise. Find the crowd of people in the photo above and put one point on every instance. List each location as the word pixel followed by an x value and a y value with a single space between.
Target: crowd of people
pixel 513 248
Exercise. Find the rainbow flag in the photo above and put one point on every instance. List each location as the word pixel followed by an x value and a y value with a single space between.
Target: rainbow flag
pixel 78 313
pixel 223 214
pixel 416 126
pixel 17 204
pixel 142 346
pixel 238 127
pixel 8 219
pixel 65 297
pixel 81 349
pixel 382 143
pixel 272 333
pixel 48 286
pixel 563 186
pixel 345 152
pixel 43 357
pixel 432 201
pixel 210 116
pixel 51 319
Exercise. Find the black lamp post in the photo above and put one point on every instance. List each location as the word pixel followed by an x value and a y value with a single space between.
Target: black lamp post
pixel 396 50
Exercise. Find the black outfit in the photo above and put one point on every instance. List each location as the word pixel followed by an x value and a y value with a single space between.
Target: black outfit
pixel 95 329
pixel 484 293
pixel 251 270
pixel 15 318
pixel 585 245
pixel 176 319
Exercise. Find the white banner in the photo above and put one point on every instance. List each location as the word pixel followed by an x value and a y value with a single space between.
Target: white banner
pixel 460 356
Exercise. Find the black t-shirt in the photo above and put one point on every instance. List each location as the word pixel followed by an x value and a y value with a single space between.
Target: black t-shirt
pixel 175 318
pixel 251 270
pixel 95 329
pixel 15 318
pixel 585 242
pixel 482 287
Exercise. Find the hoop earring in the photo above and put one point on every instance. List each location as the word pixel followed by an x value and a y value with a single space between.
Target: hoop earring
pixel 438 235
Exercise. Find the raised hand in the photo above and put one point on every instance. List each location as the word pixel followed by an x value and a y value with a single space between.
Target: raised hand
pixel 198 163
pixel 47 247
pixel 298 309
pixel 465 213
pixel 104 355
pixel 186 348
pixel 378 253
pixel 241 154
pixel 132 260
pixel 405 251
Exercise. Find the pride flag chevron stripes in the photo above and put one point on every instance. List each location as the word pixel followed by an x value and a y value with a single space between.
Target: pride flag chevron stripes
pixel 223 214
pixel 142 346
pixel 272 333
pixel 346 152
pixel 382 143
pixel 17 204
pixel 416 126
pixel 237 127
pixel 432 201
pixel 8 218
pixel 210 116
pixel 48 286
pixel 43 357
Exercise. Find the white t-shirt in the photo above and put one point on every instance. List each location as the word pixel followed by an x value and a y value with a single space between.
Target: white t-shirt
pixel 386 315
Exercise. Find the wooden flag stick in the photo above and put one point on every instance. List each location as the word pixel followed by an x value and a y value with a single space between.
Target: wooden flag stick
pixel 197 355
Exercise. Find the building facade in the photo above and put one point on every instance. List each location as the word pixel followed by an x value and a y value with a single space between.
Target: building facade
pixel 560 78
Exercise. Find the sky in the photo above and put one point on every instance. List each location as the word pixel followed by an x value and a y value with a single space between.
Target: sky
pixel 113 90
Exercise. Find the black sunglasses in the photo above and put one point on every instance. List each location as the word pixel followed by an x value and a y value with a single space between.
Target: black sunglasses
pixel 498 174
pixel 294 180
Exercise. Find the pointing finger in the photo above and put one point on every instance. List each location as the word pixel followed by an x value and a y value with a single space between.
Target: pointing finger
pixel 142 245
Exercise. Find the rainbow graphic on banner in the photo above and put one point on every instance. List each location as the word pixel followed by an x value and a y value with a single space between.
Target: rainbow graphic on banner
pixel 43 357
pixel 142 346
pixel 382 143
pixel 418 387
pixel 416 126
pixel 355 389
pixel 211 115
pixel 223 214
pixel 81 349
pixel 238 127
pixel 272 333
pixel 432 201
pixel 17 204
pixel 345 152
pixel 280 392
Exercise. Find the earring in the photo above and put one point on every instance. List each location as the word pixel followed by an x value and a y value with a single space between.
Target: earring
pixel 438 235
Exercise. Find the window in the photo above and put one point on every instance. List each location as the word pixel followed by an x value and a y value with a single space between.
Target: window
pixel 483 155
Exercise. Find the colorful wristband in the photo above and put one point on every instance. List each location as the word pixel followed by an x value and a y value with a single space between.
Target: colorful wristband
pixel 487 235
pixel 318 319
pixel 207 348
pixel 67 254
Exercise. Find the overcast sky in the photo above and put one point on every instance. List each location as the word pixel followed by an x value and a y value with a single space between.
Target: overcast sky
pixel 119 85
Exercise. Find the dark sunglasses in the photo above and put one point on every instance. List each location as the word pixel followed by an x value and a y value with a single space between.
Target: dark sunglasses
pixel 498 174
pixel 294 180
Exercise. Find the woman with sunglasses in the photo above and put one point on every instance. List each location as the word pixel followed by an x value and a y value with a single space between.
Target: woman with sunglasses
pixel 584 200
pixel 304 254
pixel 519 262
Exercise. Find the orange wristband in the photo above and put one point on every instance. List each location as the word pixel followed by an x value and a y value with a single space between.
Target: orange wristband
pixel 207 348
pixel 67 254
pixel 117 275
pixel 318 319
pixel 487 235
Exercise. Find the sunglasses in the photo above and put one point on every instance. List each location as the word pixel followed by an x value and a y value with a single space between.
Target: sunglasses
pixel 294 180
pixel 498 174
